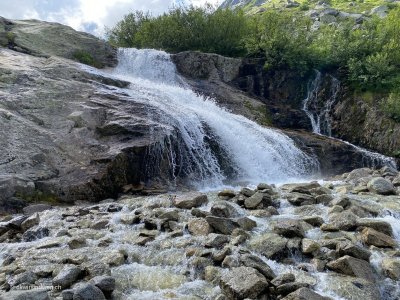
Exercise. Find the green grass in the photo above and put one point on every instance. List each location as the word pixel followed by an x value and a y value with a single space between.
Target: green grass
pixel 86 58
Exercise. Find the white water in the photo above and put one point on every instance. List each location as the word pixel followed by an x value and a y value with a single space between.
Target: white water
pixel 319 112
pixel 254 153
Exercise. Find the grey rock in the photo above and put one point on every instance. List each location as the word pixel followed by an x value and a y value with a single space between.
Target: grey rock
pixel 222 225
pixel 289 228
pixel 88 291
pixel 352 266
pixel 104 283
pixel 271 245
pixel 30 222
pixel 190 200
pixel 372 237
pixel 26 295
pixel 299 199
pixel 35 208
pixel 224 209
pixel 283 278
pixel 67 276
pixel 391 267
pixel 378 225
pixel 215 240
pixel 381 186
pixel 242 283
pixel 252 261
pixel 348 248
pixel 305 294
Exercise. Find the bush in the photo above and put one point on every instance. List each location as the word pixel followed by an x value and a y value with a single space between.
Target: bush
pixel 86 58
pixel 391 106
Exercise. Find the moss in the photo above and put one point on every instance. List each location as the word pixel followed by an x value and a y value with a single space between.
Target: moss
pixel 396 154
pixel 10 36
pixel 86 58
pixel 38 196
pixel 261 113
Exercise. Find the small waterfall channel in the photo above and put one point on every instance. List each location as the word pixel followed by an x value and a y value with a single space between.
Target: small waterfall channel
pixel 321 97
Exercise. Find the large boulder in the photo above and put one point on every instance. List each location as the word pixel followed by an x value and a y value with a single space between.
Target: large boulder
pixel 52 39
pixel 305 294
pixel 243 282
pixel 372 237
pixel 381 186
pixel 271 245
pixel 352 266
pixel 391 268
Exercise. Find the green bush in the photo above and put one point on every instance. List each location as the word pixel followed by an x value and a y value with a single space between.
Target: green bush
pixel 391 106
pixel 86 58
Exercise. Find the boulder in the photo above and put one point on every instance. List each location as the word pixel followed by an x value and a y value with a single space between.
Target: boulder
pixel 290 287
pixel 283 278
pixel 381 186
pixel 271 245
pixel 299 199
pixel 30 222
pixel 224 209
pixel 345 220
pixel 190 200
pixel 243 282
pixel 391 268
pixel 289 228
pixel 378 225
pixel 352 266
pixel 215 240
pixel 226 194
pixel 35 208
pixel 88 291
pixel 252 261
pixel 222 225
pixel 67 276
pixel 257 199
pixel 26 295
pixel 372 237
pixel 199 226
pixel 105 283
pixel 309 246
pixel 348 248
pixel 305 294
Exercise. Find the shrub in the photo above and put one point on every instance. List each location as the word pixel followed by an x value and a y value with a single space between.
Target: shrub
pixel 391 106
pixel 86 58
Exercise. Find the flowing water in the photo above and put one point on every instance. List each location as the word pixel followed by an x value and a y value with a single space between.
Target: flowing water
pixel 254 153
pixel 321 97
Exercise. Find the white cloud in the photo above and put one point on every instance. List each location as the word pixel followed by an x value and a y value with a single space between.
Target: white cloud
pixel 86 15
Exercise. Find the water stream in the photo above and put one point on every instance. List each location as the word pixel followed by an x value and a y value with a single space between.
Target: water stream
pixel 321 98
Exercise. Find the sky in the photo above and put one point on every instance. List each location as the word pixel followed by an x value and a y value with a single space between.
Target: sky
pixel 86 15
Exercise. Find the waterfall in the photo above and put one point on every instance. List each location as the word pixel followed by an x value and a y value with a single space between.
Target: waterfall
pixel 318 107
pixel 215 146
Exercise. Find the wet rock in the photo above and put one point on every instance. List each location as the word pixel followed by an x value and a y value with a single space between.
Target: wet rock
pixel 76 243
pixel 105 283
pixel 172 215
pixel 101 224
pixel 323 199
pixel 242 283
pixel 378 225
pixel 271 245
pixel 352 266
pixel 190 200
pixel 130 219
pixel 199 213
pixel 224 209
pixel 313 220
pixel 381 186
pixel 35 208
pixel 246 223
pixel 26 295
pixel 24 278
pixel 247 192
pixel 349 287
pixel 283 278
pixel 302 188
pixel 16 222
pixel 305 294
pixel 345 220
pixel 88 291
pixel 143 240
pixel 289 228
pixel 226 194
pixel 212 274
pixel 219 255
pixel 265 187
pixel 342 201
pixel 199 226
pixel 252 261
pixel 348 248
pixel 298 199
pixel 67 276
pixel 35 234
pixel 258 199
pixel 309 246
pixel 372 237
pixel 290 287
pixel 391 268
pixel 222 225
pixel 357 174
pixel 30 222
pixel 67 294
pixel 215 240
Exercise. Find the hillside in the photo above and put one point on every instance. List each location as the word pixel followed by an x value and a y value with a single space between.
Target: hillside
pixel 366 8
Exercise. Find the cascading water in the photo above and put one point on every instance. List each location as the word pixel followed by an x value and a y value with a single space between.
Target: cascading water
pixel 254 153
pixel 318 107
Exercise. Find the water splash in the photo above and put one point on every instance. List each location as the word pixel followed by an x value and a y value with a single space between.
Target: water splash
pixel 215 146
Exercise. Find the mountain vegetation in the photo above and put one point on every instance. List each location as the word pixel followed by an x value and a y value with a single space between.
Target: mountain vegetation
pixel 365 48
